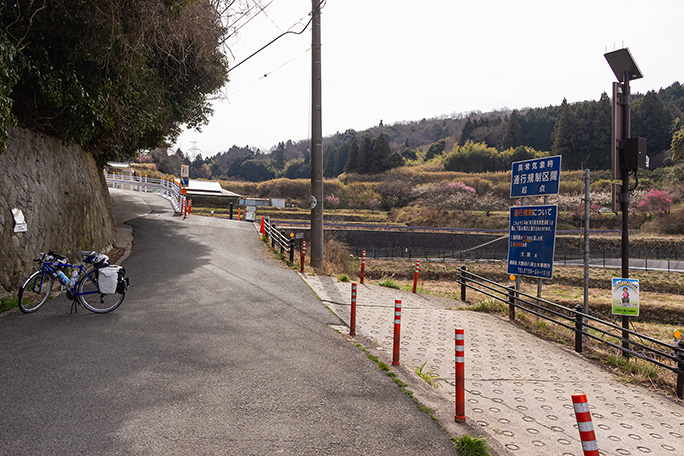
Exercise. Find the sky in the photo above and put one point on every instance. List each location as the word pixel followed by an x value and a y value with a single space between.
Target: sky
pixel 401 60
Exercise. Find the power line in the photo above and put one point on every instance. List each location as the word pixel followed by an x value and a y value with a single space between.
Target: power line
pixel 261 10
pixel 269 73
pixel 320 8
pixel 271 42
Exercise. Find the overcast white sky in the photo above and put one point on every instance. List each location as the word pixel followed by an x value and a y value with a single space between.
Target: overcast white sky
pixel 401 60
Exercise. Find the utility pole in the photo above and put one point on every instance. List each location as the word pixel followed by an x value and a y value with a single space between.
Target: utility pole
pixel 316 141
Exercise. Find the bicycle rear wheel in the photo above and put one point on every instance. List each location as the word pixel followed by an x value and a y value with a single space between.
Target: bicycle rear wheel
pixel 89 295
pixel 35 291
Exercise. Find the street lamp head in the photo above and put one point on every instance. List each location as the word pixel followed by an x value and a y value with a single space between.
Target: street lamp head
pixel 622 63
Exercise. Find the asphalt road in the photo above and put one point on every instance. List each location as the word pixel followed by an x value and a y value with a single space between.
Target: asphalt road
pixel 217 349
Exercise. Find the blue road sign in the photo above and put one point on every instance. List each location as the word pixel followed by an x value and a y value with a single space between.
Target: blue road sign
pixel 185 181
pixel 539 176
pixel 532 241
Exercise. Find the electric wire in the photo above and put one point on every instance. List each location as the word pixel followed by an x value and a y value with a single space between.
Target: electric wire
pixel 269 73
pixel 261 10
pixel 289 32
pixel 270 43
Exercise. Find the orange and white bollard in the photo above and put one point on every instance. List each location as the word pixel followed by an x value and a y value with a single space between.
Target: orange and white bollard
pixel 459 416
pixel 397 332
pixel 415 276
pixel 585 425
pixel 363 264
pixel 189 206
pixel 352 318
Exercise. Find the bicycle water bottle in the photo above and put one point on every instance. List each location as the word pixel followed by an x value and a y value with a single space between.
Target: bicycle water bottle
pixel 62 278
pixel 74 279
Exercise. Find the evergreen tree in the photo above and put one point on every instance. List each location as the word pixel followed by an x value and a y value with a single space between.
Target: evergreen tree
pixel 513 135
pixel 380 155
pixel 353 157
pixel 537 127
pixel 651 120
pixel 599 154
pixel 564 137
pixel 365 154
pixel 278 156
pixel 467 132
pixel 436 148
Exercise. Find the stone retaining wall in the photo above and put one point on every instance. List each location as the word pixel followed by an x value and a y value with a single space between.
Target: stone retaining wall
pixel 63 197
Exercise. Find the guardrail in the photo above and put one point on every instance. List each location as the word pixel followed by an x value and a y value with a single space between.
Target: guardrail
pixel 287 244
pixel 168 188
pixel 630 343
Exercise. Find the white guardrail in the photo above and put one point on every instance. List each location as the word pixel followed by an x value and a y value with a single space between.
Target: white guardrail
pixel 168 188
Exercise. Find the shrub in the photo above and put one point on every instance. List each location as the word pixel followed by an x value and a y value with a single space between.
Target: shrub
pixel 285 188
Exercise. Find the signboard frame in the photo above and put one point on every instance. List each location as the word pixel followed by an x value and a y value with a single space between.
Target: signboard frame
pixel 625 297
pixel 532 240
pixel 536 177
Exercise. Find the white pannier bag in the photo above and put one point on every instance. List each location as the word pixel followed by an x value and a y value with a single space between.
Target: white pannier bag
pixel 109 278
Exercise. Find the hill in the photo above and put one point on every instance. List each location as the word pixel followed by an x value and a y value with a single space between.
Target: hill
pixel 580 132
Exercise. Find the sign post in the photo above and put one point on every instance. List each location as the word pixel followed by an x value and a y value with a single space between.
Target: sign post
pixel 532 229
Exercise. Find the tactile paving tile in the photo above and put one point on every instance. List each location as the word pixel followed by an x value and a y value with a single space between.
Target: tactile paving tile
pixel 518 386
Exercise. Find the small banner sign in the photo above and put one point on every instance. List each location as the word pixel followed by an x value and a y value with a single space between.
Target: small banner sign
pixel 626 297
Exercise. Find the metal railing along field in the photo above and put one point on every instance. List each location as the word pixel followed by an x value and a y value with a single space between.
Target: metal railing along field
pixel 629 343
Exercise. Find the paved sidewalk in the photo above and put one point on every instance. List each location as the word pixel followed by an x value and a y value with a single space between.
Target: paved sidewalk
pixel 518 386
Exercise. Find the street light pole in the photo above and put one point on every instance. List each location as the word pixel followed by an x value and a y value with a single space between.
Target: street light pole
pixel 316 141
pixel 625 69
pixel 624 202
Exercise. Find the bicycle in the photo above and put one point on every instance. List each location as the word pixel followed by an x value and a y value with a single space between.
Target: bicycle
pixel 82 287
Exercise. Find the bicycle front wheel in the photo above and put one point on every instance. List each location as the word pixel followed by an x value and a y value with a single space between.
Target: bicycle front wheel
pixel 35 291
pixel 89 295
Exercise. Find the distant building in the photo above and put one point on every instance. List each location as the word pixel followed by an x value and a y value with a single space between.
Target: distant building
pixel 210 194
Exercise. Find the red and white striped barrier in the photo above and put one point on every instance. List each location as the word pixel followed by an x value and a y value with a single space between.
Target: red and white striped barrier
pixel 585 425
pixel 301 262
pixel 363 264
pixel 459 338
pixel 415 276
pixel 352 319
pixel 397 331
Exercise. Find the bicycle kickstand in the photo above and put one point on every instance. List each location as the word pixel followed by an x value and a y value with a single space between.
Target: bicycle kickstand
pixel 74 307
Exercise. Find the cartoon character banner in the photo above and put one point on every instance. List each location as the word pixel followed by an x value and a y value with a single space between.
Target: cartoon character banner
pixel 626 297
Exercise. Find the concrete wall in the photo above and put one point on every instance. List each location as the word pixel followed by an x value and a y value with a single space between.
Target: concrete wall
pixel 63 197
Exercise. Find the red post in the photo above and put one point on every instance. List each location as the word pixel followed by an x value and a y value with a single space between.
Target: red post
pixel 352 319
pixel 397 331
pixel 263 221
pixel 301 262
pixel 189 206
pixel 415 276
pixel 184 209
pixel 586 427
pixel 363 264
pixel 459 416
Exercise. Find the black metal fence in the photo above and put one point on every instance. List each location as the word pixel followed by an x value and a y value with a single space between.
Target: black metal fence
pixel 279 238
pixel 628 342
pixel 602 258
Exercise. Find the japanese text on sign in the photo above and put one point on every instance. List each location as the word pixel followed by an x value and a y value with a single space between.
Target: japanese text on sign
pixel 531 243
pixel 540 176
